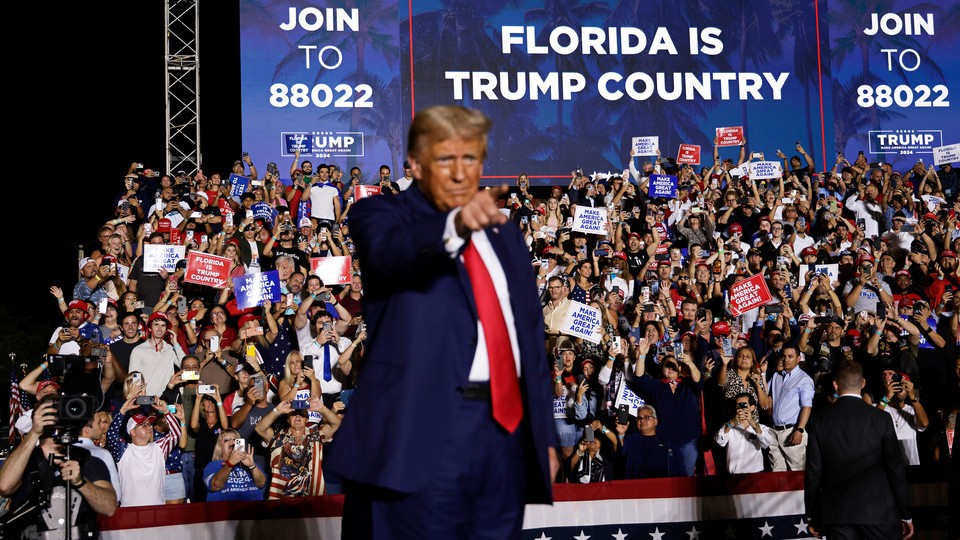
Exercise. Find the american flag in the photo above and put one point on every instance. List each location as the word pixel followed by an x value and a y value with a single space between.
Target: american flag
pixel 18 402
pixel 760 506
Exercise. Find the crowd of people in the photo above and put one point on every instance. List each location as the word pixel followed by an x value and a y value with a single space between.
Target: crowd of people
pixel 200 399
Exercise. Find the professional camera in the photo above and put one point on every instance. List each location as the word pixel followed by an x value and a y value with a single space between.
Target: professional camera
pixel 73 411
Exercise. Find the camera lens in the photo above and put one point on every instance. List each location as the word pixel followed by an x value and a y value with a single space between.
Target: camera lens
pixel 72 410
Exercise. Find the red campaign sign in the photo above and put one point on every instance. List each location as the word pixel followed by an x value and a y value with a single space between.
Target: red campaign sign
pixel 663 248
pixel 206 269
pixel 689 154
pixel 332 270
pixel 361 192
pixel 748 294
pixel 730 136
pixel 175 236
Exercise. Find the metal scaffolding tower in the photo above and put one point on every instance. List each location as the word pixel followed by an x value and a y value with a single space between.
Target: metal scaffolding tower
pixel 183 85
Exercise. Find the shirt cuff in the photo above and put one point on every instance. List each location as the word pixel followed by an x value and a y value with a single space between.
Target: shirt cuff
pixel 452 242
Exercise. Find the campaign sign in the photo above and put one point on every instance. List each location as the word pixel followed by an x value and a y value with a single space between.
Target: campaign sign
pixel 588 219
pixel 646 146
pixel 663 185
pixel 748 294
pixel 264 211
pixel 157 256
pixel 206 269
pixel 123 272
pixel 689 154
pixel 332 270
pixel 730 136
pixel 313 417
pixel 175 236
pixel 946 154
pixel 224 207
pixel 760 170
pixel 625 396
pixel 252 289
pixel 832 270
pixel 238 184
pixel 582 321
pixel 907 142
pixel 743 170
pixel 294 142
pixel 364 191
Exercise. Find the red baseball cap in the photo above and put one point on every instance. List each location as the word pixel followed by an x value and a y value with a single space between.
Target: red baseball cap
pixel 138 420
pixel 78 304
pixel 735 228
pixel 43 384
pixel 721 328
pixel 158 315
pixel 164 225
pixel 809 250
pixel 245 318
pixel 947 253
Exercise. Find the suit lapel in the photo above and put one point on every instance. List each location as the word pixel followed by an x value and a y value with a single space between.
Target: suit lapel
pixel 465 284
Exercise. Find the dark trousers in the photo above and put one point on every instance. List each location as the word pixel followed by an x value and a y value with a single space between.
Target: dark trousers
pixel 477 490
pixel 862 532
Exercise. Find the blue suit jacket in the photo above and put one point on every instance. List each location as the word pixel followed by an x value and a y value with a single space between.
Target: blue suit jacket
pixel 422 327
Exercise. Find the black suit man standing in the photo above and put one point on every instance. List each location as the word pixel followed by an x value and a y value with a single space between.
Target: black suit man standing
pixel 855 480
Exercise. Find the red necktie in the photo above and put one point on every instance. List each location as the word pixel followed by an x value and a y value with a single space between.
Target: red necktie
pixel 504 385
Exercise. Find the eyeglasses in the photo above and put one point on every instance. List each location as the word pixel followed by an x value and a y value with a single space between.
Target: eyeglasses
pixel 555 287
pixel 647 417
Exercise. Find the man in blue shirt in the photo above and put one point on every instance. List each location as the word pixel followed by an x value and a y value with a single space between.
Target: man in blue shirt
pixel 792 392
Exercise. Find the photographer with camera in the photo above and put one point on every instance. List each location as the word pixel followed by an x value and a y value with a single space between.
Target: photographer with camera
pixel 41 390
pixel 42 470
pixel 141 463
pixel 744 438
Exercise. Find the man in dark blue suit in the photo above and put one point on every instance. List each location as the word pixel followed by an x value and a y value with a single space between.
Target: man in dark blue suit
pixel 450 430
pixel 855 484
